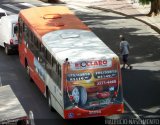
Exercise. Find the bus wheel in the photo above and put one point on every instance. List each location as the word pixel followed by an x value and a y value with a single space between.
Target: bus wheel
pixel 7 50
pixel 83 95
pixel 79 95
pixel 76 95
pixel 49 101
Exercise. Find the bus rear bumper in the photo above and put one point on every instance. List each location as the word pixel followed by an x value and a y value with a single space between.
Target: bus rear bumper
pixel 76 112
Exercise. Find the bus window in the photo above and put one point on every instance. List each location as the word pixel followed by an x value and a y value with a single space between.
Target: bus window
pixel 28 38
pixel 53 64
pixel 48 62
pixel 15 29
pixel 59 75
pixel 35 40
pixel 39 45
pixel 41 61
pixel 23 27
pixel 31 37
pixel 48 57
pixel 42 49
pixel 26 33
pixel 20 29
pixel 60 71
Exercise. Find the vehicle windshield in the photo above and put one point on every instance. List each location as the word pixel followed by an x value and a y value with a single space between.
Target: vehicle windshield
pixel 2 14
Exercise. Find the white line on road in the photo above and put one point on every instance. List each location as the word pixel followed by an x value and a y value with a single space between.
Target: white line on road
pixel 46 4
pixel 9 12
pixel 27 4
pixel 79 8
pixel 12 7
pixel 134 112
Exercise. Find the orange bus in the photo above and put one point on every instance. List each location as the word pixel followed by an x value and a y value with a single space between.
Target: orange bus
pixel 78 74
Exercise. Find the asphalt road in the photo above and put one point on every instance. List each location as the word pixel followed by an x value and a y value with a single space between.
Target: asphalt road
pixel 140 85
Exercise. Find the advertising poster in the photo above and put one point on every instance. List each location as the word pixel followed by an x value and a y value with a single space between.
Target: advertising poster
pixel 91 85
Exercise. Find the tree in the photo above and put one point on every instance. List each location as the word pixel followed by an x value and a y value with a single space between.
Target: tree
pixel 155 6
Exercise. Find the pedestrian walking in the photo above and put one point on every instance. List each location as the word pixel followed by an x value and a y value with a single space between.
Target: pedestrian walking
pixel 124 50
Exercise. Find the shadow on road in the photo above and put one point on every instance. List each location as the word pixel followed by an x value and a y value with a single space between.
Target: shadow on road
pixel 85 121
pixel 144 42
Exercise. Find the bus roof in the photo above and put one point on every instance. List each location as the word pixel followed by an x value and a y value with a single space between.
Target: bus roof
pixel 64 34
pixel 42 20
pixel 76 45
pixel 10 107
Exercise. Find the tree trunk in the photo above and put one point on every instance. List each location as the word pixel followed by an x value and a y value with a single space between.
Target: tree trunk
pixel 155 8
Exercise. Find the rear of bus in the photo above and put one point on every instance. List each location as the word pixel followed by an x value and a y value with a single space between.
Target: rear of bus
pixel 92 87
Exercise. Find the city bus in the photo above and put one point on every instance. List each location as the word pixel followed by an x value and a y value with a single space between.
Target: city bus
pixel 77 73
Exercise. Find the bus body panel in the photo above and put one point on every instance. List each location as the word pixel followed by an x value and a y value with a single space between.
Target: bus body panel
pixel 22 49
pixel 92 92
pixel 57 104
pixel 26 56
pixel 80 113
pixel 41 79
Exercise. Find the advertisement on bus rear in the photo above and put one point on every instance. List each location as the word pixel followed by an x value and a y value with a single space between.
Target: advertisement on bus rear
pixel 91 85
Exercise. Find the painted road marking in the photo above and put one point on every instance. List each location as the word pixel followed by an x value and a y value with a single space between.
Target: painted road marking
pixel 46 4
pixel 79 8
pixel 27 4
pixel 12 7
pixel 9 12
pixel 134 112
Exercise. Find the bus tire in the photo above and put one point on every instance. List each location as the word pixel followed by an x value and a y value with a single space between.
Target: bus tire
pixel 80 95
pixel 49 101
pixel 83 95
pixel 7 50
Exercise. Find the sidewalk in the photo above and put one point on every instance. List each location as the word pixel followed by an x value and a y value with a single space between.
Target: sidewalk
pixel 123 7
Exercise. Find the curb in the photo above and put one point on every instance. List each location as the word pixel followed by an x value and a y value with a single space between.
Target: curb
pixel 109 10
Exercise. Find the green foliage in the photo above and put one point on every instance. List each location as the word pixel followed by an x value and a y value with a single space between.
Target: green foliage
pixel 145 1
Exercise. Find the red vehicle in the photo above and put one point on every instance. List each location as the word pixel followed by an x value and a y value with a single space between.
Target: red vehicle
pixel 77 73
